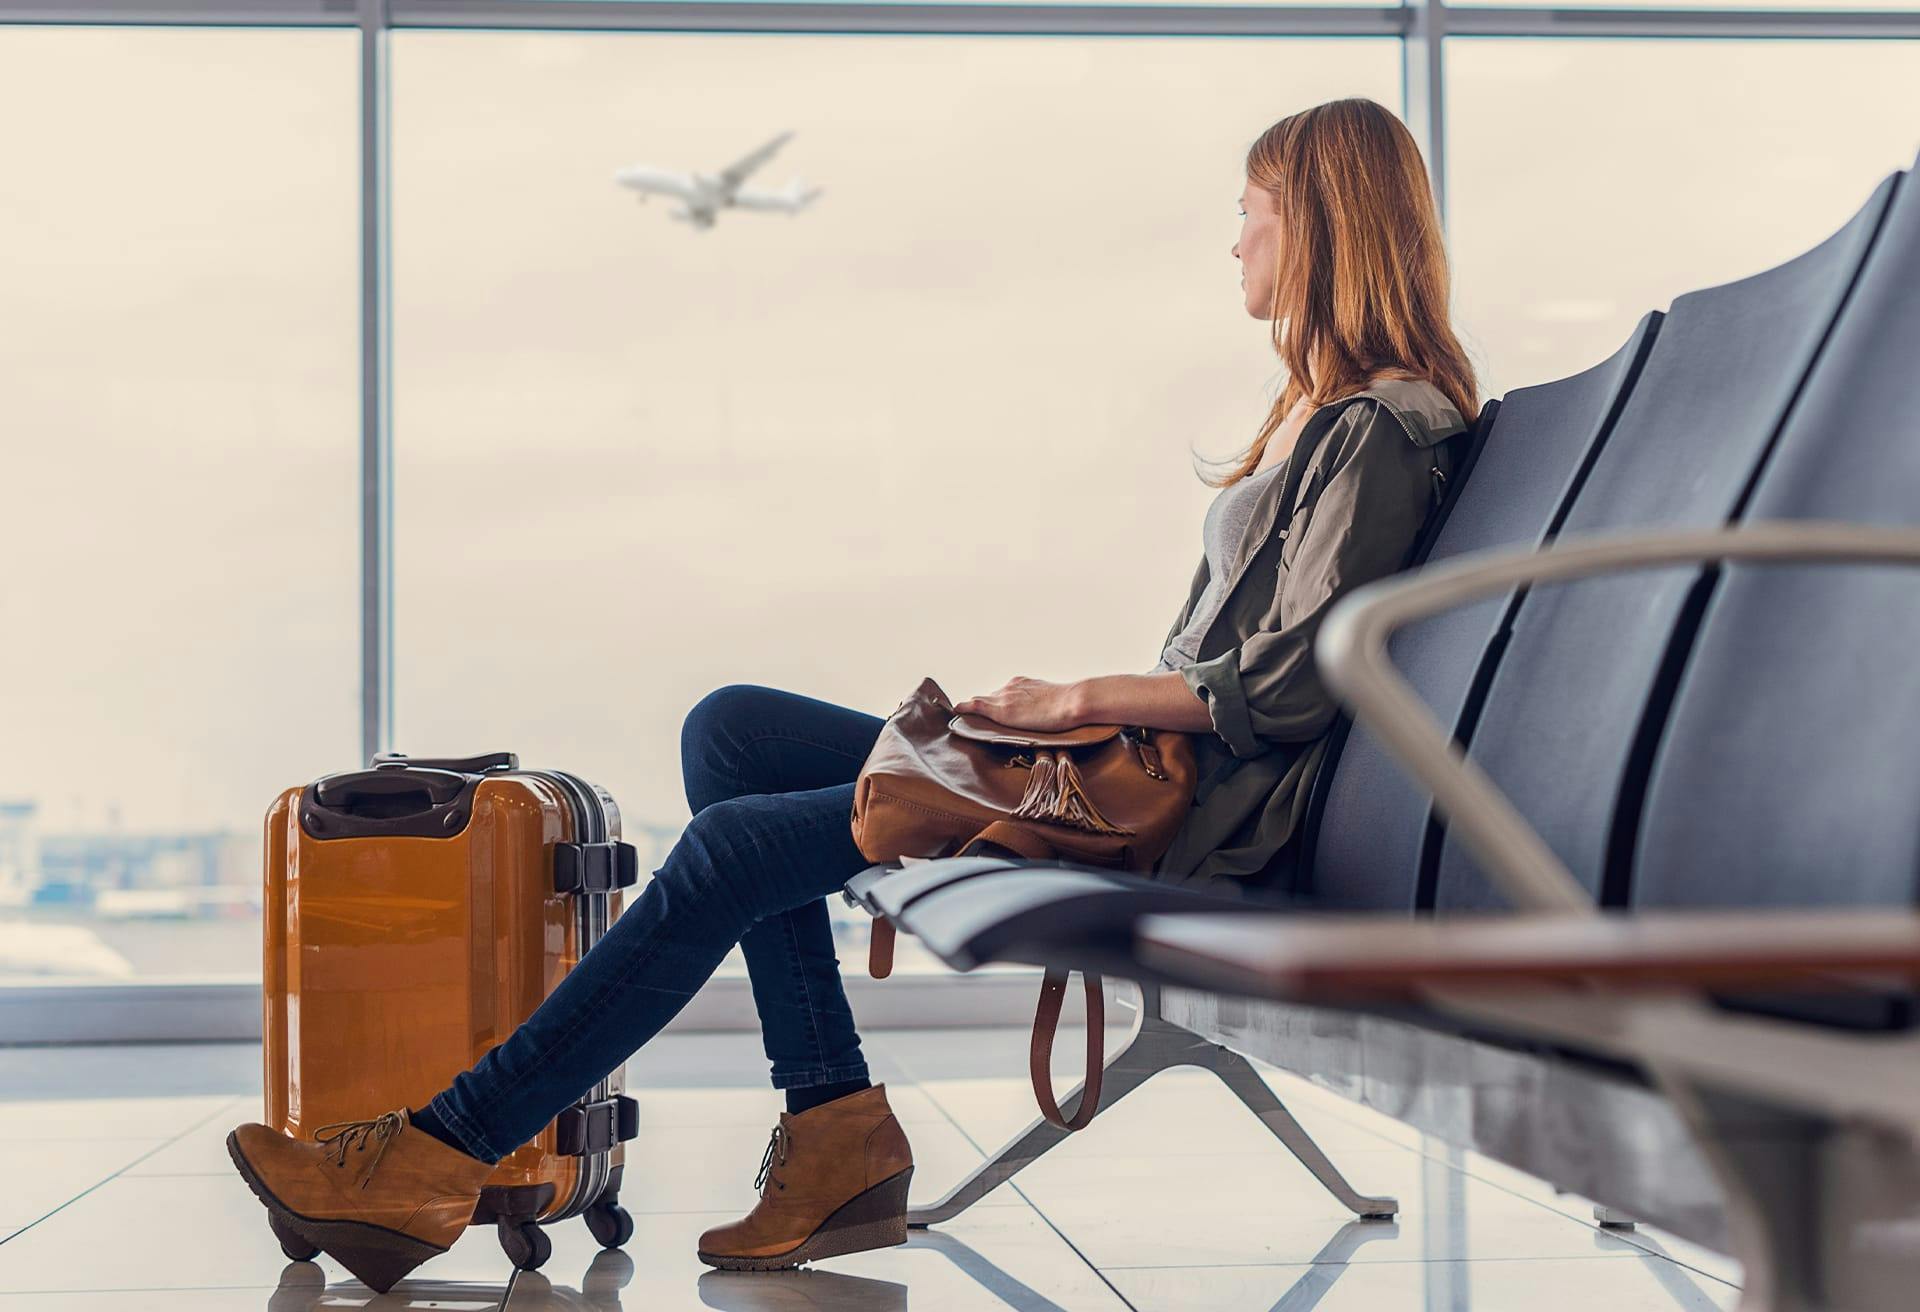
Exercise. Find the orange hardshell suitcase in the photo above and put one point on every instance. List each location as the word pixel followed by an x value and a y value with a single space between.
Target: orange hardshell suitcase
pixel 416 913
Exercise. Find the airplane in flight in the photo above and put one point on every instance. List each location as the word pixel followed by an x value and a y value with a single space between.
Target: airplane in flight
pixel 703 195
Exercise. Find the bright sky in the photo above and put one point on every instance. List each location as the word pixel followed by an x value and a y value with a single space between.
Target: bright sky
pixel 938 424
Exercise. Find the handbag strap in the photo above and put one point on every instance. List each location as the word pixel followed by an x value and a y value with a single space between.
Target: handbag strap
pixel 880 948
pixel 1022 841
pixel 1016 838
pixel 1046 1022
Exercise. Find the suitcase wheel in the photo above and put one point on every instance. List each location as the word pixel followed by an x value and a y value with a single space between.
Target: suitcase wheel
pixel 527 1246
pixel 292 1242
pixel 611 1224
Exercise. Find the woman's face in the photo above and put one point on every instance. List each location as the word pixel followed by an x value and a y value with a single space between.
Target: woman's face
pixel 1257 250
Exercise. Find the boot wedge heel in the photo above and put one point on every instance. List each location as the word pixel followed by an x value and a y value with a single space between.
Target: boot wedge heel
pixel 376 1256
pixel 873 1218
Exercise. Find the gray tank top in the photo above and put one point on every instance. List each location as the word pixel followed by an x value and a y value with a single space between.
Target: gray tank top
pixel 1225 526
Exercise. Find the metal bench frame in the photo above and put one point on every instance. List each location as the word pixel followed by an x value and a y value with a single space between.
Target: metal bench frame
pixel 1744 1140
pixel 1154 1044
pixel 1812 1134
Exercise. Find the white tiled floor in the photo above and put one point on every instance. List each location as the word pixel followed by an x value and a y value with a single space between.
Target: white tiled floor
pixel 1174 1199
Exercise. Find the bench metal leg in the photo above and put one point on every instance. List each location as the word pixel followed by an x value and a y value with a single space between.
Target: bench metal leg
pixel 1155 1044
pixel 1238 1074
pixel 1142 1056
pixel 1823 1215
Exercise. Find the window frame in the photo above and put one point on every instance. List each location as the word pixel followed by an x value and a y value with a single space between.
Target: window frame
pixel 227 1008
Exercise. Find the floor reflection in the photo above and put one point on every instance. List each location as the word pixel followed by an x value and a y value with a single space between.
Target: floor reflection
pixel 601 1286
pixel 800 1291
pixel 1673 1276
pixel 983 1272
pixel 303 1287
pixel 1330 1263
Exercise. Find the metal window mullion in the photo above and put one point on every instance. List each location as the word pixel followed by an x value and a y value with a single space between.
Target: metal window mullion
pixel 770 16
pixel 1717 24
pixel 376 387
pixel 890 16
pixel 179 13
pixel 1146 19
pixel 982 18
pixel 1423 88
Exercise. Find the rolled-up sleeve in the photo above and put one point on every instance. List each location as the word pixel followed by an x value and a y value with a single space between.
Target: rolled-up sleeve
pixel 1377 489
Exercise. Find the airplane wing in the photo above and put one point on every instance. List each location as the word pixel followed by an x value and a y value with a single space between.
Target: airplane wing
pixel 735 174
pixel 792 201
pixel 762 200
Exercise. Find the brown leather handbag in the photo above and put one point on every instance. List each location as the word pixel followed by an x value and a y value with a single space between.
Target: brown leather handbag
pixel 939 784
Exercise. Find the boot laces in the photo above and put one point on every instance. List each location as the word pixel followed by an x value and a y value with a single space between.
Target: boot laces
pixel 356 1135
pixel 780 1141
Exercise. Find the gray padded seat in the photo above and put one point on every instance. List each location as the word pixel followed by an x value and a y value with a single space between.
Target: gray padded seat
pixel 1789 770
pixel 1367 840
pixel 1561 722
pixel 971 910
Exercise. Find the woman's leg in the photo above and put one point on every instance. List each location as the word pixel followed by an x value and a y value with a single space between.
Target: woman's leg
pixel 747 739
pixel 744 739
pixel 739 861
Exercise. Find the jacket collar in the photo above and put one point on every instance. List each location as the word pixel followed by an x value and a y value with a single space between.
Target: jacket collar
pixel 1422 409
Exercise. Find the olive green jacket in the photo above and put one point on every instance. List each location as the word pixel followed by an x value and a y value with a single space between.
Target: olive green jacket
pixel 1359 506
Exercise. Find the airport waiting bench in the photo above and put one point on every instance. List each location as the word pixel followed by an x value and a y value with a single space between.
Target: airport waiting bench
pixel 1669 614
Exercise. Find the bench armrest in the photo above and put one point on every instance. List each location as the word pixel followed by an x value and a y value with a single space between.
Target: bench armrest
pixel 1352 654
pixel 1362 957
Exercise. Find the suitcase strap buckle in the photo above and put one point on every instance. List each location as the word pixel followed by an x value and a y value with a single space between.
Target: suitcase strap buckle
pixel 595 1127
pixel 594 867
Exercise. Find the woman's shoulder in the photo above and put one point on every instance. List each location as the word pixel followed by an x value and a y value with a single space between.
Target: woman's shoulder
pixel 1422 409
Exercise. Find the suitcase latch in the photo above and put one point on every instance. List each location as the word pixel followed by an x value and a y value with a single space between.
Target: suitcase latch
pixel 595 1127
pixel 594 867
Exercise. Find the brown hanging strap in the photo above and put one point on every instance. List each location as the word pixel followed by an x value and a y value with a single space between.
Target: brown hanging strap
pixel 880 948
pixel 1020 840
pixel 1015 838
pixel 1046 1021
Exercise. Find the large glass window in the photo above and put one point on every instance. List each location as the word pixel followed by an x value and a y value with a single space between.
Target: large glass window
pixel 937 423
pixel 178 267
pixel 1592 181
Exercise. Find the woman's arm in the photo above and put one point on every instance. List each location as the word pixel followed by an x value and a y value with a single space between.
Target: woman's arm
pixel 1266 689
pixel 1157 701
pixel 1376 495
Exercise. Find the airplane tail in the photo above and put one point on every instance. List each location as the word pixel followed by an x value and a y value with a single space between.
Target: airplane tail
pixel 799 195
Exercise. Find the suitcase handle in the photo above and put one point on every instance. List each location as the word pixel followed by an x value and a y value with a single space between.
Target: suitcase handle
pixel 458 764
pixel 388 793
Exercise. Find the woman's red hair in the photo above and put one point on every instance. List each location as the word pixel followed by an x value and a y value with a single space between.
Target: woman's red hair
pixel 1361 284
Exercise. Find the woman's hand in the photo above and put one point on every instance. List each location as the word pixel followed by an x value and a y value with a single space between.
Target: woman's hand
pixel 1024 703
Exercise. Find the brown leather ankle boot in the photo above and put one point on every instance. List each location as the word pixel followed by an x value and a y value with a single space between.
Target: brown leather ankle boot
pixel 834 1181
pixel 379 1196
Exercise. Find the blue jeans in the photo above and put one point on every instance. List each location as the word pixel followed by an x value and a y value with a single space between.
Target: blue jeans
pixel 769 778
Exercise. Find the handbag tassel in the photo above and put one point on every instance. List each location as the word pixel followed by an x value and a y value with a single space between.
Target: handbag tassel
pixel 1055 794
